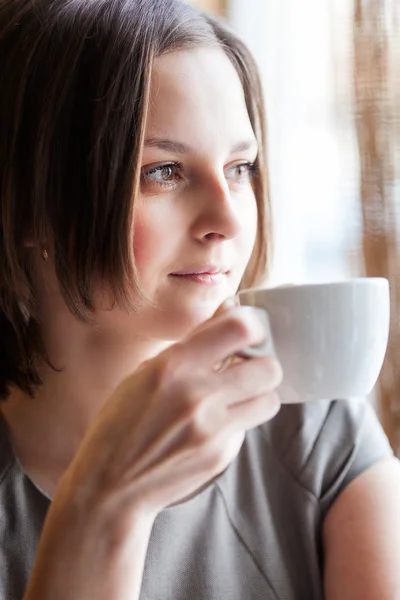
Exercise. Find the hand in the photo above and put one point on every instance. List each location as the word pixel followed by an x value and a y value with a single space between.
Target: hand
pixel 177 422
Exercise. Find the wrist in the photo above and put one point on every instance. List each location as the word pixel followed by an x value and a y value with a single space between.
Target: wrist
pixel 103 554
pixel 115 518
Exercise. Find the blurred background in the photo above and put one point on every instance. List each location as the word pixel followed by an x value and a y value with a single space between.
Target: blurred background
pixel 331 76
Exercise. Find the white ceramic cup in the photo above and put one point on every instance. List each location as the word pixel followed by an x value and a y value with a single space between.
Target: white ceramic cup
pixel 330 338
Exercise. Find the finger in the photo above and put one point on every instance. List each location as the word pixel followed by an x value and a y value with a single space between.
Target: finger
pixel 265 349
pixel 254 412
pixel 246 379
pixel 226 305
pixel 224 335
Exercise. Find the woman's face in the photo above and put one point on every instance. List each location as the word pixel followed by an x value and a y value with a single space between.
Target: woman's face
pixel 196 215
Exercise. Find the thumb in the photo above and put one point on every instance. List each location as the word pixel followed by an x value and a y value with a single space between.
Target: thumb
pixel 230 302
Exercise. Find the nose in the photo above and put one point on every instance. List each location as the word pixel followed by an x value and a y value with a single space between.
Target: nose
pixel 217 217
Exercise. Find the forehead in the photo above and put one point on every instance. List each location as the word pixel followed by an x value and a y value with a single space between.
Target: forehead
pixel 196 96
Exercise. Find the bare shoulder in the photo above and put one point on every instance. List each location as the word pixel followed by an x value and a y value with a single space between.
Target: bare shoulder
pixel 361 536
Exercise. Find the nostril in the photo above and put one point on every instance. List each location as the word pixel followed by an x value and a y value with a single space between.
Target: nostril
pixel 214 236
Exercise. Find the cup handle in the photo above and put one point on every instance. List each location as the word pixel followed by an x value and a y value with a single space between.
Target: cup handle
pixel 267 347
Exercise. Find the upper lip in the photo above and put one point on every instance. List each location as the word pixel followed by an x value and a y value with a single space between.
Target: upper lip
pixel 201 270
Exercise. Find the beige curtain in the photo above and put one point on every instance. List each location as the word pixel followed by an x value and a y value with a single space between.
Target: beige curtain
pixel 217 7
pixel 377 119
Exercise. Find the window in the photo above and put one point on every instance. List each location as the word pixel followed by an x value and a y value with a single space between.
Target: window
pixel 312 144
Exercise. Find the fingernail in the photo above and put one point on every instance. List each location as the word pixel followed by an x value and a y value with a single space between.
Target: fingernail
pixel 267 346
pixel 231 302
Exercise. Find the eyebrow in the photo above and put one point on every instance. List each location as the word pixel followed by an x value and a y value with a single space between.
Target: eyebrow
pixel 180 148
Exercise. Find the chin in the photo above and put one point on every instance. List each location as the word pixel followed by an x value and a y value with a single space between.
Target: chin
pixel 177 322
pixel 186 322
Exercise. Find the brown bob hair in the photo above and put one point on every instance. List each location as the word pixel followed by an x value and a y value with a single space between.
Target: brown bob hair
pixel 74 81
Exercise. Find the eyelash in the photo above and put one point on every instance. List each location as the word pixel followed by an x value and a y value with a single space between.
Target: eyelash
pixel 251 166
pixel 172 165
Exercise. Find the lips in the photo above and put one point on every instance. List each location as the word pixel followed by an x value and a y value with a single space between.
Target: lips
pixel 201 270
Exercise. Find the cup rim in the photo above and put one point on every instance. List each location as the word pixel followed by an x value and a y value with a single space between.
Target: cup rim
pixel 322 284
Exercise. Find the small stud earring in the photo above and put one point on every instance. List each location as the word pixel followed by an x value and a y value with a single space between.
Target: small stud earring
pixel 45 254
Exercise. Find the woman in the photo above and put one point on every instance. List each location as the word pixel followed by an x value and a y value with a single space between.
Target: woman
pixel 136 461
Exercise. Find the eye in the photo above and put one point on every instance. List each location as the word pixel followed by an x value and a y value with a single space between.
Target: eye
pixel 166 174
pixel 241 172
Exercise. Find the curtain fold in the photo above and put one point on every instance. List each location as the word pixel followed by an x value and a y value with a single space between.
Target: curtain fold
pixel 377 112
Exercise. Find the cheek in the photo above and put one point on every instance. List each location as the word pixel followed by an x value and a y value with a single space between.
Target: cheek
pixel 146 243
pixel 249 221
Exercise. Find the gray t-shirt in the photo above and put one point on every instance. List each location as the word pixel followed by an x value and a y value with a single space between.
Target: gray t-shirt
pixel 253 534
